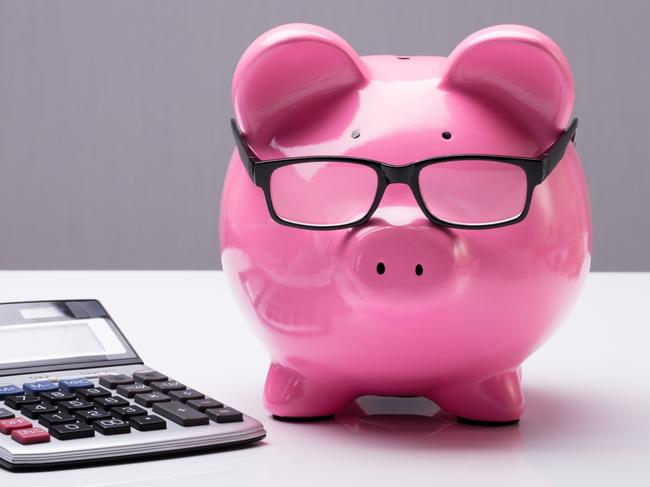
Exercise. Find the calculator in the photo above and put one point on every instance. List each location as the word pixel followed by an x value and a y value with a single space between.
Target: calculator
pixel 73 391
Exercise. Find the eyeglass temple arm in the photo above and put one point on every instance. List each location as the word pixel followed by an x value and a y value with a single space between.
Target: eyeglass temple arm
pixel 246 154
pixel 554 154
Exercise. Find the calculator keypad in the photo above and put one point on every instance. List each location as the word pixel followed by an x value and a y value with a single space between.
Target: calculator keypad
pixel 77 408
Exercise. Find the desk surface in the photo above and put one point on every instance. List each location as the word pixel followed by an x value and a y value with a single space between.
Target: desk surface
pixel 587 391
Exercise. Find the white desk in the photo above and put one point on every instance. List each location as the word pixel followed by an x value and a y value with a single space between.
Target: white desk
pixel 587 390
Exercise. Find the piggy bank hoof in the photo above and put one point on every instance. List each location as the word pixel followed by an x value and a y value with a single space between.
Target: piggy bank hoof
pixel 306 419
pixel 478 422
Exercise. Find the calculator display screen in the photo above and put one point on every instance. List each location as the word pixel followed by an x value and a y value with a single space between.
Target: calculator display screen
pixel 46 334
pixel 58 339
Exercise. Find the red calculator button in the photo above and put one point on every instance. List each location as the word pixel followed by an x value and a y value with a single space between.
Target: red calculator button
pixel 9 425
pixel 28 436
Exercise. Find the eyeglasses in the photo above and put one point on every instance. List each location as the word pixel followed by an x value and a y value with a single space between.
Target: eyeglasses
pixel 471 191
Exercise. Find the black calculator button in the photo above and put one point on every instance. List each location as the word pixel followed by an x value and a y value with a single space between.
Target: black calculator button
pixel 19 400
pixel 180 413
pixel 49 420
pixel 110 402
pixel 89 415
pixel 130 390
pixel 6 414
pixel 149 377
pixel 224 415
pixel 57 396
pixel 92 393
pixel 112 426
pixel 203 404
pixel 186 395
pixel 126 412
pixel 113 380
pixel 71 431
pixel 74 405
pixel 148 400
pixel 148 423
pixel 167 386
pixel 33 411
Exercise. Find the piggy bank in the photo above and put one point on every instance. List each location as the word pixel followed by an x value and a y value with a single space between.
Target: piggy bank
pixel 403 225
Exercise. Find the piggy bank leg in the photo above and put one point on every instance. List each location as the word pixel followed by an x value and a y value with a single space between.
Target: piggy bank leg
pixel 495 401
pixel 291 396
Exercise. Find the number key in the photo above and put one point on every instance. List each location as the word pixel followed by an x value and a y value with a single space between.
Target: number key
pixel 57 396
pixel 92 393
pixel 126 412
pixel 88 416
pixel 49 420
pixel 71 431
pixel 110 402
pixel 33 411
pixel 20 400
pixel 112 426
pixel 71 407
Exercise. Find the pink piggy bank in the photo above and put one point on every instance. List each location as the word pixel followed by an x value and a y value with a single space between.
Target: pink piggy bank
pixel 401 225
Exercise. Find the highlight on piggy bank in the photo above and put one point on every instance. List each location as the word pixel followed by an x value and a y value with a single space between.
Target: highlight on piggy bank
pixel 403 225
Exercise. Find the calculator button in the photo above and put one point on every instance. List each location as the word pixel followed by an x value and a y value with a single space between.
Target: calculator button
pixel 6 414
pixel 89 415
pixel 49 420
pixel 224 415
pixel 8 390
pixel 58 396
pixel 40 386
pixel 110 402
pixel 126 412
pixel 112 426
pixel 203 404
pixel 9 425
pixel 71 407
pixel 149 377
pixel 147 400
pixel 35 410
pixel 92 393
pixel 29 436
pixel 186 395
pixel 113 380
pixel 130 390
pixel 148 423
pixel 167 386
pixel 20 400
pixel 180 413
pixel 73 384
pixel 71 431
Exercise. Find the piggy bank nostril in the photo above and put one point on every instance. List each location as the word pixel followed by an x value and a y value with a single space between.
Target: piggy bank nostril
pixel 381 268
pixel 419 269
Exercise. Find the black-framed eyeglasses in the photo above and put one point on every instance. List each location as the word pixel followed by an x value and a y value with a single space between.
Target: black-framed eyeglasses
pixel 468 191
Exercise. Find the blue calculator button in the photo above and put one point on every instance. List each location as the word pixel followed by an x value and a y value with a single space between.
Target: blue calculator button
pixel 72 384
pixel 8 390
pixel 40 386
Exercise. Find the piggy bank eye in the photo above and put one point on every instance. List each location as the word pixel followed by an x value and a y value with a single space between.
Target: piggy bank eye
pixel 446 135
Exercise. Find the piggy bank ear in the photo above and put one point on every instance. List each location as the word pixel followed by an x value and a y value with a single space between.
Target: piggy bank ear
pixel 518 70
pixel 289 71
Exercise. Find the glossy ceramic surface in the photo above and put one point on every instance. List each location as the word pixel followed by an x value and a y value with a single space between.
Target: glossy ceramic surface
pixel 456 333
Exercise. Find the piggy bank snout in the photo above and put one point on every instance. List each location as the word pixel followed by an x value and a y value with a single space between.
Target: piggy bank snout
pixel 401 260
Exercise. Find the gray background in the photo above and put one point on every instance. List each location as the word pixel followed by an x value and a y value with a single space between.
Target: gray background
pixel 113 116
